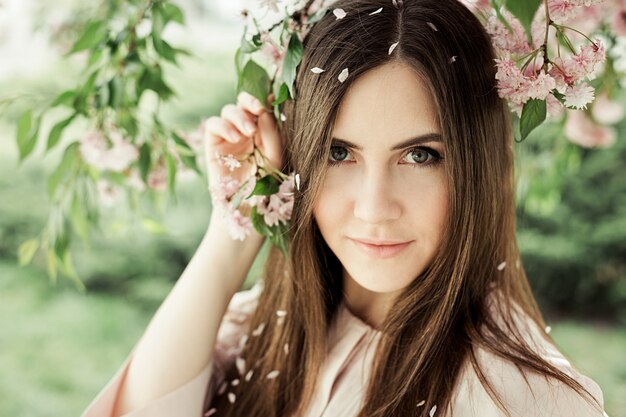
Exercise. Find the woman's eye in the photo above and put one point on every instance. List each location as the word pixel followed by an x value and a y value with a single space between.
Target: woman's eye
pixel 338 153
pixel 419 156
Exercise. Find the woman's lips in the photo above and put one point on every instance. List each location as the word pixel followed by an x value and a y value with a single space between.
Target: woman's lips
pixel 381 251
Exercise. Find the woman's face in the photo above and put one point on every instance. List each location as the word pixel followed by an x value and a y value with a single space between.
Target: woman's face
pixel 379 186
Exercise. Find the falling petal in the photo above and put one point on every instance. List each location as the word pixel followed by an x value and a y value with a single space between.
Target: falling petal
pixel 249 375
pixel 452 59
pixel 339 13
pixel 283 117
pixel 272 375
pixel 234 382
pixel 241 365
pixel 297 178
pixel 231 397
pixel 431 413
pixel 258 330
pixel 281 313
pixel 222 388
pixel 421 403
pixel 432 26
pixel 317 70
pixel 548 329
pixel 395 3
pixel 210 412
pixel 286 348
pixel 392 47
pixel 344 74
pixel 243 340
pixel 377 11
pixel 501 266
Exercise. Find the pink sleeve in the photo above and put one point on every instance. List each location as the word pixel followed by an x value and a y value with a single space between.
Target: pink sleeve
pixel 191 398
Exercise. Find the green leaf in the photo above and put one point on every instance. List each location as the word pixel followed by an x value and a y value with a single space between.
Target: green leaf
pixel 153 226
pixel 259 224
pixel 94 33
pixel 70 271
pixel 52 265
pixel 79 218
pixel 293 56
pixel 282 96
pixel 24 125
pixel 57 131
pixel 27 250
pixel 280 237
pixel 144 161
pixel 116 92
pixel 267 185
pixel 173 13
pixel 524 10
pixel 164 49
pixel 152 79
pixel 533 114
pixel 170 164
pixel 255 81
pixel 27 133
pixel 66 165
pixel 158 20
pixel 66 98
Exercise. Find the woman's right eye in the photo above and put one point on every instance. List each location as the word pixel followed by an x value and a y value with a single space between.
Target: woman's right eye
pixel 337 154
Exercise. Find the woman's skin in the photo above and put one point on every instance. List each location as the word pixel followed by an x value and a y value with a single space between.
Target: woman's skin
pixel 382 194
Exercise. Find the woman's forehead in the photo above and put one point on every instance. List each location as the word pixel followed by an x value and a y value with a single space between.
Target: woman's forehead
pixel 389 101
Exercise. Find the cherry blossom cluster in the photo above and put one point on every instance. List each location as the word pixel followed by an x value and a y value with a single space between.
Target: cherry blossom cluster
pixel 543 69
pixel 229 193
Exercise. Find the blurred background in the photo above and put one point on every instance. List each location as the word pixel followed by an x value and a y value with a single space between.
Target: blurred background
pixel 59 346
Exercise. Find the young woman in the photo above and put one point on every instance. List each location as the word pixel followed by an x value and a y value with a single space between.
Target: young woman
pixel 403 293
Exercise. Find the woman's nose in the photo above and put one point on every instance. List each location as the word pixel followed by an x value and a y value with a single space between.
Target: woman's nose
pixel 374 199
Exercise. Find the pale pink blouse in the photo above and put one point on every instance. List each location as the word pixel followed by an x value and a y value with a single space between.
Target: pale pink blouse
pixel 345 372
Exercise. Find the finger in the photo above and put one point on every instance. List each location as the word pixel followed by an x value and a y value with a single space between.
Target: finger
pixel 217 129
pixel 271 140
pixel 243 120
pixel 250 103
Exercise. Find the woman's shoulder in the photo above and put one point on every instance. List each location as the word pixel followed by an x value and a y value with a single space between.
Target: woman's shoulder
pixel 526 394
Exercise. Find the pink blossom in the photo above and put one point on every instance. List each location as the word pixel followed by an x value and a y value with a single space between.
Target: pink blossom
pixel 95 150
pixel 578 96
pixel 618 22
pixel 505 40
pixel 278 207
pixel 134 180
pixel 582 131
pixel 109 193
pixel 554 107
pixel 195 139
pixel 224 190
pixel 540 86
pixel 606 111
pixel 562 11
pixel 157 178
pixel 239 226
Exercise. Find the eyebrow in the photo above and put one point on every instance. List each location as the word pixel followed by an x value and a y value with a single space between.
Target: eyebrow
pixel 428 137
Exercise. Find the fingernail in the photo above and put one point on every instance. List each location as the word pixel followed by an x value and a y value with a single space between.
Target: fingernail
pixel 248 127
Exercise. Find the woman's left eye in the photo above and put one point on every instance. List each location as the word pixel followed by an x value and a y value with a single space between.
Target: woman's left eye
pixel 421 156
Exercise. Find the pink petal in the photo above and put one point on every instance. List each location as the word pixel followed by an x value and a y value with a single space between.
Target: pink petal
pixel 392 47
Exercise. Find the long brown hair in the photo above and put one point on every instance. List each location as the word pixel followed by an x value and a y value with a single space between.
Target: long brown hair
pixel 442 317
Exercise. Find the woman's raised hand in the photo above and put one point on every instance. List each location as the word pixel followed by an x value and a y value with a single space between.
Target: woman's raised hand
pixel 234 132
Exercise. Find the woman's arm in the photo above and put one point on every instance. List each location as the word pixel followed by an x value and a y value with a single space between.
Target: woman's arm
pixel 179 341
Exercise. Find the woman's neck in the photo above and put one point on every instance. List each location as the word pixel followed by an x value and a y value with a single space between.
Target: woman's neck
pixel 369 306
